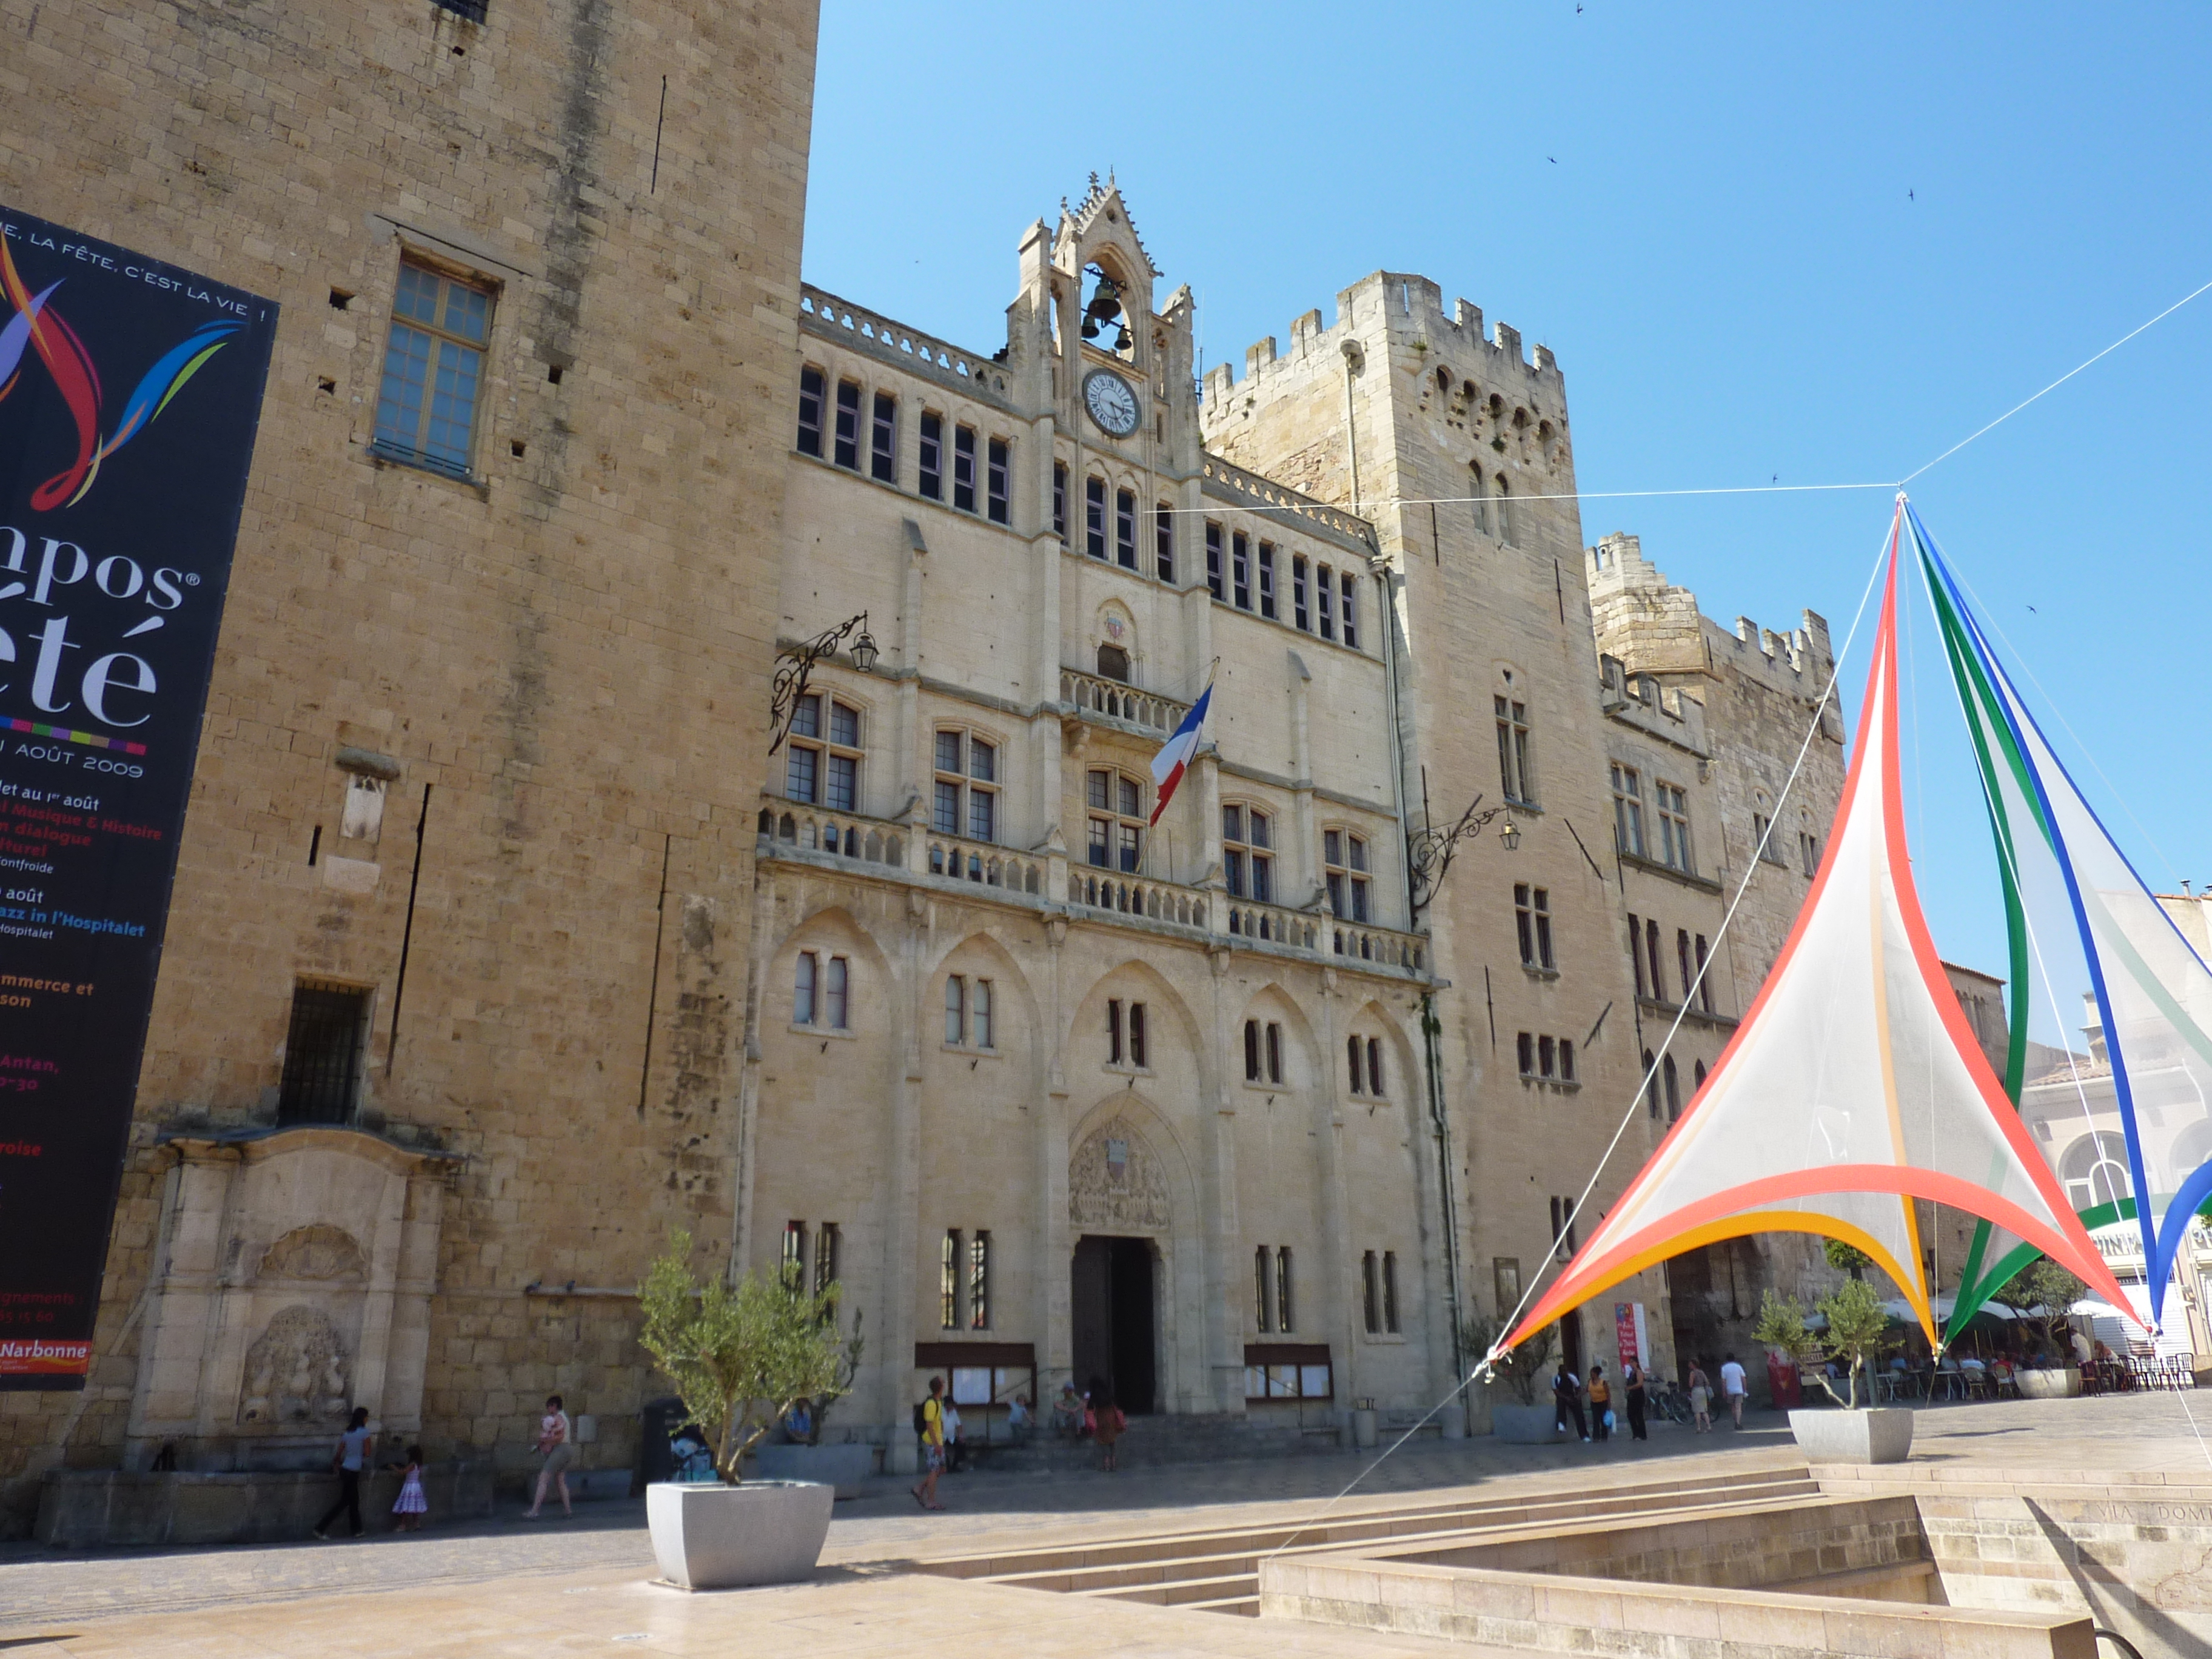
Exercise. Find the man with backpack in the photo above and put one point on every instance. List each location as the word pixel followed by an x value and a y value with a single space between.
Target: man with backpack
pixel 929 1425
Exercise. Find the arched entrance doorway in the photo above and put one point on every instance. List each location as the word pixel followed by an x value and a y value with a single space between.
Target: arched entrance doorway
pixel 1114 1315
pixel 1118 1209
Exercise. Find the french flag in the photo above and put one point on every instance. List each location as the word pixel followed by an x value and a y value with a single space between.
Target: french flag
pixel 1169 765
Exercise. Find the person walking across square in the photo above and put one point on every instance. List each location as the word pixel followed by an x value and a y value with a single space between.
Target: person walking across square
pixel 1600 1403
pixel 554 1444
pixel 1732 1388
pixel 1632 1383
pixel 349 1462
pixel 932 1445
pixel 1567 1402
pixel 1701 1399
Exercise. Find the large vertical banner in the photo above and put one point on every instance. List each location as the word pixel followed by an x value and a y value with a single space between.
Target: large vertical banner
pixel 129 392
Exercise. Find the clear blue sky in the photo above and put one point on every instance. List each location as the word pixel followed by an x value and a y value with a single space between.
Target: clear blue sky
pixel 1823 244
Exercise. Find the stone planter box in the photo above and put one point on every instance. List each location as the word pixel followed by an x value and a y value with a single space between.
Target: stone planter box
pixel 1881 1434
pixel 111 1509
pixel 2048 1385
pixel 1525 1425
pixel 718 1537
pixel 847 1467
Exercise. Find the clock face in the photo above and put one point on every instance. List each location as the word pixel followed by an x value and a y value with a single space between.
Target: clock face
pixel 1111 402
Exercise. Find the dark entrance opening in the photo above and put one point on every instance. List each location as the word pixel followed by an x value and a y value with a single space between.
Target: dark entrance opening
pixel 1570 1342
pixel 1112 1323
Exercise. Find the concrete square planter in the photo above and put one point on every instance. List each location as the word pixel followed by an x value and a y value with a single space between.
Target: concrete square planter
pixel 1525 1425
pixel 1881 1434
pixel 2048 1385
pixel 718 1537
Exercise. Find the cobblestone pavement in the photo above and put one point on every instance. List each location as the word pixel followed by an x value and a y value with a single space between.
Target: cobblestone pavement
pixel 88 1603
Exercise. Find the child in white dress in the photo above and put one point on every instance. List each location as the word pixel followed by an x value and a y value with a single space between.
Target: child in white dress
pixel 411 1506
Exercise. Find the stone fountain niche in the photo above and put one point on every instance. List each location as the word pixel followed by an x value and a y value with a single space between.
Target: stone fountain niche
pixel 296 1273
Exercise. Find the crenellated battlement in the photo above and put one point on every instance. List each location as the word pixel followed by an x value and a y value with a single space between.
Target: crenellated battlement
pixel 1397 310
pixel 1657 627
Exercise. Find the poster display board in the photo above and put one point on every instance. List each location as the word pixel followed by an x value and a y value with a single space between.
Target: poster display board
pixel 130 393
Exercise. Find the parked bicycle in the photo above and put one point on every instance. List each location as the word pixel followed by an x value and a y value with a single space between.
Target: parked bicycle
pixel 1663 1400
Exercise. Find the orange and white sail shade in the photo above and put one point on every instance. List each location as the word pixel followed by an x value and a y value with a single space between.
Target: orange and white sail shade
pixel 1853 1086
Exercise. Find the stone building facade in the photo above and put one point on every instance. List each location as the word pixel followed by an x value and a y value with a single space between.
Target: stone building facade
pixel 497 954
pixel 473 822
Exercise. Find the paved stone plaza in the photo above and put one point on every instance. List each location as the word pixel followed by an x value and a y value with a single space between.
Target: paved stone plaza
pixel 513 1586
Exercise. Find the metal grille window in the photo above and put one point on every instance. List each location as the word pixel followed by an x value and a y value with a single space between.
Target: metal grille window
pixel 433 363
pixel 811 388
pixel 322 1054
pixel 1514 774
pixel 1125 529
pixel 1704 979
pixel 474 10
pixel 1214 572
pixel 1283 1289
pixel 818 992
pixel 1766 842
pixel 1059 501
pixel 963 468
pixel 1094 517
pixel 932 479
pixel 846 450
pixel 948 1281
pixel 1636 954
pixel 1652 950
pixel 1240 570
pixel 979 1281
pixel 1267 580
pixel 1524 1051
pixel 1137 1052
pixel 794 1250
pixel 1390 1292
pixel 1370 1292
pixel 1301 616
pixel 882 440
pixel 1247 838
pixel 997 481
pixel 1628 810
pixel 1563 1227
pixel 1350 613
pixel 1324 586
pixel 1263 1302
pixel 1375 1066
pixel 1163 541
pixel 1674 830
pixel 825 1256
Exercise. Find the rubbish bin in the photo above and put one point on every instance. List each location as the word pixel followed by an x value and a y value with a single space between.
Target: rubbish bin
pixel 657 1421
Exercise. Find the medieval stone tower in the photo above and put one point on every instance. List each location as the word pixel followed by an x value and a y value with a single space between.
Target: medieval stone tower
pixel 1457 447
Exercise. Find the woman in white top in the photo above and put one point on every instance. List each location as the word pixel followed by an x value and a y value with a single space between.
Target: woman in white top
pixel 556 1445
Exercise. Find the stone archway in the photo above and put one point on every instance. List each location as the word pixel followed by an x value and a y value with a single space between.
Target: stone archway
pixel 1118 1211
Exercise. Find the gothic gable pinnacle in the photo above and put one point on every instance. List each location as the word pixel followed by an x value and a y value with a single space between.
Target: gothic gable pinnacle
pixel 1103 201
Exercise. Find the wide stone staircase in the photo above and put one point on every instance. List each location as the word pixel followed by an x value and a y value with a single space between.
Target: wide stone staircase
pixel 1218 1571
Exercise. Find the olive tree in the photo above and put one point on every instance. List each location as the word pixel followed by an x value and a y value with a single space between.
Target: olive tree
pixel 742 1355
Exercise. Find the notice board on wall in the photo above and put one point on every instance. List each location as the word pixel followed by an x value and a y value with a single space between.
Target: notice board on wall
pixel 130 395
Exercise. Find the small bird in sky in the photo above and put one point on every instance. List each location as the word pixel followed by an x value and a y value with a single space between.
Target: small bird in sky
pixel 1553 160
pixel 2037 612
pixel 1776 479
pixel 1910 197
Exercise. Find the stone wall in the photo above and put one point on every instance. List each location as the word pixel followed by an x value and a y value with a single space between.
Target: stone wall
pixel 563 652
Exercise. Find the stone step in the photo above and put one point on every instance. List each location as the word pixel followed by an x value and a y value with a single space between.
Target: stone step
pixel 1051 1566
pixel 1181 1592
pixel 1143 1566
pixel 1241 1606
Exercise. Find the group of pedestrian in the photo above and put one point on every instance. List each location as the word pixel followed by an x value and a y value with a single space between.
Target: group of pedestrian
pixel 1568 1394
pixel 355 1457
pixel 1701 1393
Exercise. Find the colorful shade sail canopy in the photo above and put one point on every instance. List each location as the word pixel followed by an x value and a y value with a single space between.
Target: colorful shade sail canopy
pixel 2080 918
pixel 1854 1084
